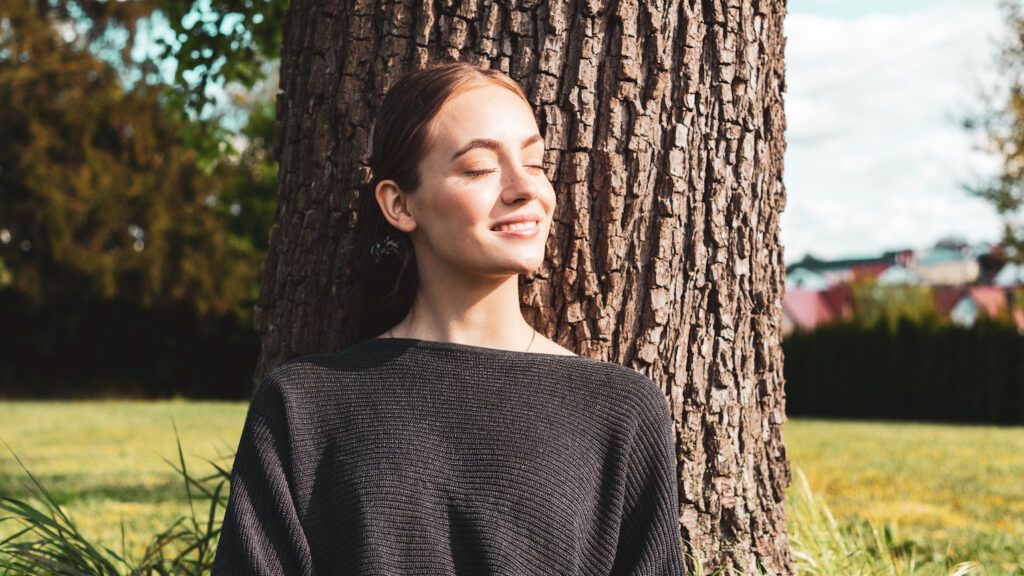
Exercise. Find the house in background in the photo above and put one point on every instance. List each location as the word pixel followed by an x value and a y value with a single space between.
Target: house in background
pixel 965 281
pixel 963 305
pixel 899 274
pixel 846 270
pixel 807 279
pixel 807 309
pixel 869 270
pixel 945 298
pixel 940 266
pixel 1011 274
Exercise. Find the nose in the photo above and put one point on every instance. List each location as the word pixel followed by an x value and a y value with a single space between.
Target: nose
pixel 520 185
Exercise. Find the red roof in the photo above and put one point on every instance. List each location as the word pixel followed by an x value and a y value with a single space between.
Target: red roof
pixel 810 308
pixel 839 300
pixel 946 297
pixel 991 299
pixel 868 271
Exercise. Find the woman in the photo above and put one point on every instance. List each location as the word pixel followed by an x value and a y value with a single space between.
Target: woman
pixel 458 440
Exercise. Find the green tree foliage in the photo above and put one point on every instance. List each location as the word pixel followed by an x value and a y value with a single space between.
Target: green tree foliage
pixel 102 194
pixel 221 42
pixel 1000 124
pixel 876 303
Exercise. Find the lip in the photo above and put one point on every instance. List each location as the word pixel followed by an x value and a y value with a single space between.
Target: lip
pixel 517 219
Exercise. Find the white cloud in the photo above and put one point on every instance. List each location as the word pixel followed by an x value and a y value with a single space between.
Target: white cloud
pixel 875 156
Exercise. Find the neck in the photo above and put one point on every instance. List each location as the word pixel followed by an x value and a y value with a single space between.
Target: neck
pixel 483 313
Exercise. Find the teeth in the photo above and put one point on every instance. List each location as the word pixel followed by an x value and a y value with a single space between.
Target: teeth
pixel 517 226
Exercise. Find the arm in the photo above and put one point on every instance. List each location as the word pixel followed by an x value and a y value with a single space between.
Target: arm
pixel 649 535
pixel 261 533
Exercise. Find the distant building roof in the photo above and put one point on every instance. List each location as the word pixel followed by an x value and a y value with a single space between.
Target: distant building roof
pixel 946 297
pixel 805 307
pixel 839 300
pixel 869 270
pixel 942 255
pixel 991 299
pixel 804 278
pixel 811 308
pixel 898 274
pixel 809 262
pixel 981 248
pixel 1011 274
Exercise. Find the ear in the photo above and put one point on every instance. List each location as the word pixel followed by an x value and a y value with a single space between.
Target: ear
pixel 394 205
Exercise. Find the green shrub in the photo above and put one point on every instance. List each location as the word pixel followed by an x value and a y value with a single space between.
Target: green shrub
pixel 907 370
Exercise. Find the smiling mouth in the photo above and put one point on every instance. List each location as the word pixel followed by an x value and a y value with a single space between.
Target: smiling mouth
pixel 519 226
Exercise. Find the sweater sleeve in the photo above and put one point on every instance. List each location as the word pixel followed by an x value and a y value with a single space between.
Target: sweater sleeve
pixel 261 533
pixel 649 537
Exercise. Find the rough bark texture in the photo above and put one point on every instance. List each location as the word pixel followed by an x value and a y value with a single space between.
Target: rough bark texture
pixel 664 125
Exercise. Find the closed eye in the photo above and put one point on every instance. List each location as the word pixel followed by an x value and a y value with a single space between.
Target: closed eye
pixel 478 173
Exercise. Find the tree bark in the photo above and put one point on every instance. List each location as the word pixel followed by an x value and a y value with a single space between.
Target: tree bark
pixel 664 127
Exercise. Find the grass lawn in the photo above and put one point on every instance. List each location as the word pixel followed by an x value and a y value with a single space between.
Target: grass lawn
pixel 103 460
pixel 956 492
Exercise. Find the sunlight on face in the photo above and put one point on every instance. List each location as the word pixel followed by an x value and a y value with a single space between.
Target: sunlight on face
pixel 484 165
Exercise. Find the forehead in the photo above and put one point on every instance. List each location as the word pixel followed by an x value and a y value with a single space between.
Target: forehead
pixel 486 111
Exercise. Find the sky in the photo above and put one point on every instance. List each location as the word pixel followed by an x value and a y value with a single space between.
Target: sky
pixel 876 158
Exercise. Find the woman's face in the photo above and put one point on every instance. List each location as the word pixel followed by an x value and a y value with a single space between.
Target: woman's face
pixel 483 166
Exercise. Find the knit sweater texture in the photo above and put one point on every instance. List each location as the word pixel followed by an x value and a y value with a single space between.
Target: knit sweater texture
pixel 401 456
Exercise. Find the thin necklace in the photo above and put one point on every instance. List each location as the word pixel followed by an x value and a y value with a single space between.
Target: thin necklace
pixel 534 335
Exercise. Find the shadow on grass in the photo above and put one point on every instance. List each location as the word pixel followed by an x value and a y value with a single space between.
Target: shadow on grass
pixel 50 542
pixel 67 490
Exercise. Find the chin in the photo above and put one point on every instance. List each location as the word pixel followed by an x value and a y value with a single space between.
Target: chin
pixel 527 266
pixel 509 266
pixel 521 259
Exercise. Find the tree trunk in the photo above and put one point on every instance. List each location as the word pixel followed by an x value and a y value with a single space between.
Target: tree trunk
pixel 664 127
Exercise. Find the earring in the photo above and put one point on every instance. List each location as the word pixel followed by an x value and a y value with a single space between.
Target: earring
pixel 389 245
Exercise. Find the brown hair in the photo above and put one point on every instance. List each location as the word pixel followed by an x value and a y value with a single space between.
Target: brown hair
pixel 399 138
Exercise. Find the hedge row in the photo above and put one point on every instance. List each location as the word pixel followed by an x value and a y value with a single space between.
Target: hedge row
pixel 99 349
pixel 907 371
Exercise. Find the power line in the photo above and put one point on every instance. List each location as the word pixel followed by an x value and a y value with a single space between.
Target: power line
pixel 831 86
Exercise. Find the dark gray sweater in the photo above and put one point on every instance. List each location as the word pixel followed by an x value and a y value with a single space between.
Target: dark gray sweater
pixel 404 456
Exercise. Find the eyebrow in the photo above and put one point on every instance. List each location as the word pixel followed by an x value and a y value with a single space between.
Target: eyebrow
pixel 491 144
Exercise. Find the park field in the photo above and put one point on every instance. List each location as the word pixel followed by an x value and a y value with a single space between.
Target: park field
pixel 948 493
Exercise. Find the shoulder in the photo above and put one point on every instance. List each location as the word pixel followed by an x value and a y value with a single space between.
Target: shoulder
pixel 295 370
pixel 292 395
pixel 311 377
pixel 631 389
pixel 649 391
pixel 298 379
pixel 318 365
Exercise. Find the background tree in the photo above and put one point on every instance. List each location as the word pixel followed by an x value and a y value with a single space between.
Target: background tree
pixel 664 127
pixel 104 193
pixel 1000 124
pixel 888 303
pixel 132 226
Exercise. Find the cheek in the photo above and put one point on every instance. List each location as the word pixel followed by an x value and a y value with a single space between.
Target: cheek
pixel 453 211
pixel 549 197
pixel 470 210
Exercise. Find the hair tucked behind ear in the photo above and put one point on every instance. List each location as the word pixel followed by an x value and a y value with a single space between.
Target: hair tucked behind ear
pixel 399 138
pixel 391 278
